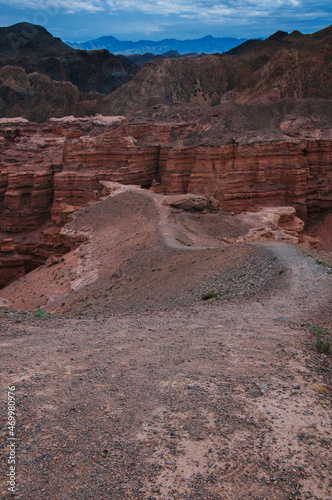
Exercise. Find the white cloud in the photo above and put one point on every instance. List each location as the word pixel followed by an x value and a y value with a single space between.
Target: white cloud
pixel 210 11
pixel 52 7
pixel 201 8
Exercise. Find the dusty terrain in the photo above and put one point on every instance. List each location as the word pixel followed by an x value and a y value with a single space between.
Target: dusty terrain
pixel 133 387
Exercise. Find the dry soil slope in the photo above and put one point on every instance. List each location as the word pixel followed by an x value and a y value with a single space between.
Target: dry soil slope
pixel 136 256
pixel 216 400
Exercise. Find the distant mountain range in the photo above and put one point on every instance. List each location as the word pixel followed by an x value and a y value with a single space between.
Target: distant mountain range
pixel 207 44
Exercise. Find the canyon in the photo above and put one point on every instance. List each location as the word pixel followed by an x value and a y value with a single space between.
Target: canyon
pixel 50 170
pixel 165 269
pixel 247 129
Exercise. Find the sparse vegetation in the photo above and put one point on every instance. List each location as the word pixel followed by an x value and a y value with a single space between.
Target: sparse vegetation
pixel 188 229
pixel 42 314
pixel 183 242
pixel 210 295
pixel 317 330
pixel 324 341
pixel 322 263
pixel 324 346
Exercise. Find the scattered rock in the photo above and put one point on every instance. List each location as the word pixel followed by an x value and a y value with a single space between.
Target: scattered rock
pixel 52 260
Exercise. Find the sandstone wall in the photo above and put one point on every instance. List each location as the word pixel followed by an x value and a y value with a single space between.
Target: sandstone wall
pixel 48 171
pixel 47 168
pixel 242 176
pixel 11 263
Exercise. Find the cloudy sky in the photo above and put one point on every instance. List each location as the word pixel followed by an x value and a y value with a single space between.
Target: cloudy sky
pixel 80 20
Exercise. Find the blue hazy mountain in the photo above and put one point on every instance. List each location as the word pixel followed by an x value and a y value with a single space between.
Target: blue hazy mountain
pixel 207 44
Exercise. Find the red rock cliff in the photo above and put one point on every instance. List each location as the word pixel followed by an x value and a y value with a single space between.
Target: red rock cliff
pixel 243 156
pixel 242 176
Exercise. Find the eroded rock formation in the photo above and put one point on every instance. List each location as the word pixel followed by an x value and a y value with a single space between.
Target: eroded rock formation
pixel 11 263
pixel 50 170
pixel 242 176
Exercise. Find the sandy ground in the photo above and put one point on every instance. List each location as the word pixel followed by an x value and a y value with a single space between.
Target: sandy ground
pixel 171 397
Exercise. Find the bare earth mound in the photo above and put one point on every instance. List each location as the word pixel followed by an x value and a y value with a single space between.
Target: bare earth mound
pixel 137 251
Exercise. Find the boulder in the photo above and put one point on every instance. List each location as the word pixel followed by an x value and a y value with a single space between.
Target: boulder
pixel 187 202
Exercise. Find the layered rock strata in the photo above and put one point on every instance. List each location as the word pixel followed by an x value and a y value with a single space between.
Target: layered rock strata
pixel 58 166
pixel 242 176
pixel 11 263
pixel 48 171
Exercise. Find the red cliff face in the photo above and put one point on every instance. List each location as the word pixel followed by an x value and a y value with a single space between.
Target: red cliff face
pixel 48 171
pixel 26 197
pixel 11 263
pixel 47 168
pixel 244 176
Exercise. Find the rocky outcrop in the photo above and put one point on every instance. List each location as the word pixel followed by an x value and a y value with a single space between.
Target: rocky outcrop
pixel 244 176
pixel 36 97
pixel 11 263
pixel 270 223
pixel 48 171
pixel 192 203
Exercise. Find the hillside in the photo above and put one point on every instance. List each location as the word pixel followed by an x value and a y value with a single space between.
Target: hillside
pixel 282 66
pixel 32 48
pixel 257 71
pixel 27 39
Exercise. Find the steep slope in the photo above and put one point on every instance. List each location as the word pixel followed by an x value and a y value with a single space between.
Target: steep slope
pixel 166 81
pixel 284 65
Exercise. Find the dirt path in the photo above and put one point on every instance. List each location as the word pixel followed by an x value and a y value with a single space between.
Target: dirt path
pixel 214 400
pixel 167 230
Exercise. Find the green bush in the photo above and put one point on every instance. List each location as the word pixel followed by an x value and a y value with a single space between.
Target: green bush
pixel 323 346
pixel 210 295
pixel 42 314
